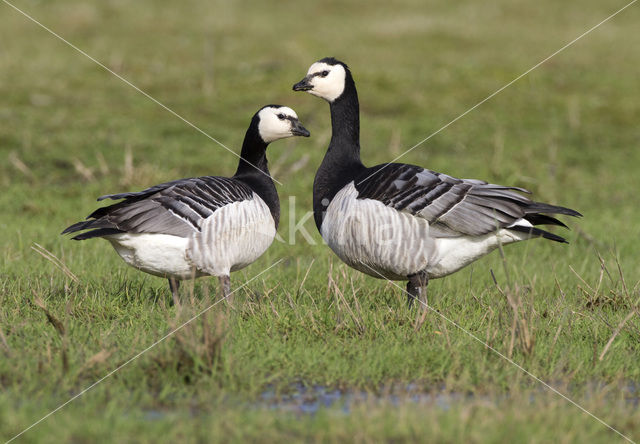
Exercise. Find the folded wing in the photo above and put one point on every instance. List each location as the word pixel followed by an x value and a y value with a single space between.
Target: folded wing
pixel 176 208
pixel 457 207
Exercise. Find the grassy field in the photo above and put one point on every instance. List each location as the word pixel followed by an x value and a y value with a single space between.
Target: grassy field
pixel 70 132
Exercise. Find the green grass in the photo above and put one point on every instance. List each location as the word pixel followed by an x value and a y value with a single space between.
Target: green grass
pixel 69 132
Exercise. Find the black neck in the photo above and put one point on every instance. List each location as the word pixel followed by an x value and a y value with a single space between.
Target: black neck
pixel 345 124
pixel 254 172
pixel 254 152
pixel 341 163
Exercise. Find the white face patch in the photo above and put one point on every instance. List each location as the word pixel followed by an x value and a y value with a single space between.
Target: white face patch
pixel 275 123
pixel 329 86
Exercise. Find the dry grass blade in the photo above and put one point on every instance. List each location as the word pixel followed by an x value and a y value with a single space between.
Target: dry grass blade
pixel 615 333
pixel 519 330
pixel 83 170
pixel 20 165
pixel 99 358
pixel 354 292
pixel 603 269
pixel 128 170
pixel 555 340
pixel 57 324
pixel 102 163
pixel 527 341
pixel 580 277
pixel 603 265
pixel 624 283
pixel 54 260
pixel 359 325
pixel 421 317
pixel 304 279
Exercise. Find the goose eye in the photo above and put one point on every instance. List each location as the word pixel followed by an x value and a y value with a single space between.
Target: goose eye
pixel 281 116
pixel 324 73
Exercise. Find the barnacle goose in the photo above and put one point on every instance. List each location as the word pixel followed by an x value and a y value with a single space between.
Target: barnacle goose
pixel 203 226
pixel 404 222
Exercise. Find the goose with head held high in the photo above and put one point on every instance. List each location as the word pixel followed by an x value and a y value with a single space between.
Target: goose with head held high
pixel 403 222
pixel 203 226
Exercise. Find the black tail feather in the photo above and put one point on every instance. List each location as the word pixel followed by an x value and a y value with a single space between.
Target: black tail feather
pixel 537 232
pixel 100 232
pixel 539 207
pixel 98 228
pixel 78 226
pixel 542 219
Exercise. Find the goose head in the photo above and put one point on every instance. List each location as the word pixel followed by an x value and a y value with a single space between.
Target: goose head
pixel 326 78
pixel 278 122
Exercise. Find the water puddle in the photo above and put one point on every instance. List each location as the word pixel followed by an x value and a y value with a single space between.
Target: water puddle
pixel 308 400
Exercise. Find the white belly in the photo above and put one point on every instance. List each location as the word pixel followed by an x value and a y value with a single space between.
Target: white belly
pixel 454 253
pixel 385 243
pixel 158 254
pixel 230 239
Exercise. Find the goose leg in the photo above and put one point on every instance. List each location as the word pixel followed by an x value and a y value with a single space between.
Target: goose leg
pixel 225 288
pixel 417 289
pixel 174 285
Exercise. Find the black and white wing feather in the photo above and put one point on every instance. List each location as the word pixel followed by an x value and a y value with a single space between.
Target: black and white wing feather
pixel 457 207
pixel 176 208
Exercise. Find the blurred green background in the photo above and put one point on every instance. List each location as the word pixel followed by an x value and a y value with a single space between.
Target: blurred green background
pixel 70 132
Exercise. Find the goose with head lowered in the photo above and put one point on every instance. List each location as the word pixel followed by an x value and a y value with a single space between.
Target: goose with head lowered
pixel 203 226
pixel 404 222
